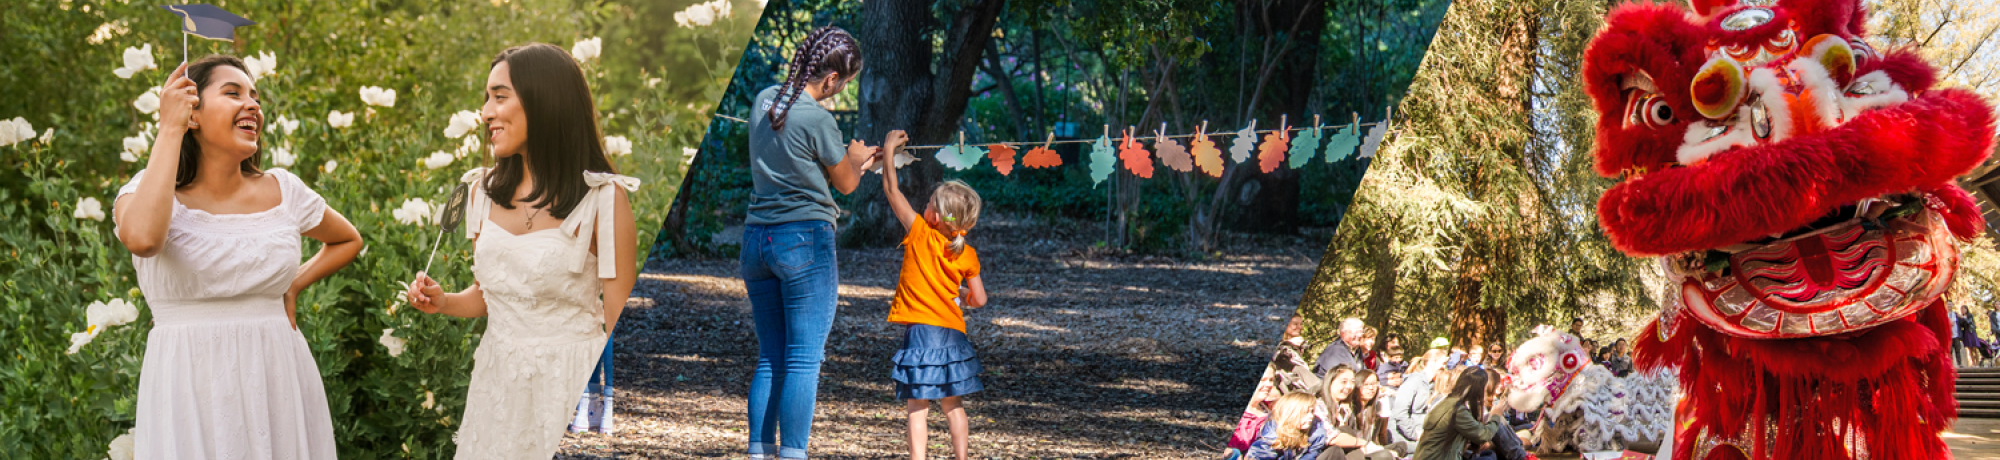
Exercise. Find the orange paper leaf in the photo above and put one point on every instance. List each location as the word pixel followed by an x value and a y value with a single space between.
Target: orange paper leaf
pixel 1041 157
pixel 1137 159
pixel 1206 155
pixel 1271 153
pixel 1002 156
pixel 1173 155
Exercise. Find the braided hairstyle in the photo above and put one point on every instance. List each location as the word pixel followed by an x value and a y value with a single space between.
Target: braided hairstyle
pixel 827 51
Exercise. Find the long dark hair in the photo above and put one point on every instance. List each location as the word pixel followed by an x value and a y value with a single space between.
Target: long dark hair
pixel 1471 391
pixel 827 51
pixel 563 139
pixel 198 72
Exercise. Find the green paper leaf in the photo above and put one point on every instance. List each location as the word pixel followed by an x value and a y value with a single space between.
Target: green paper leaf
pixel 1102 160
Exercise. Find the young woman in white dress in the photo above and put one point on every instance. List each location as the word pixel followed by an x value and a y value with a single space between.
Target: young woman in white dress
pixel 552 234
pixel 216 244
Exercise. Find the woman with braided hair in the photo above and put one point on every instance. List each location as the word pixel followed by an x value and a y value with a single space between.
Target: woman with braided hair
pixel 788 257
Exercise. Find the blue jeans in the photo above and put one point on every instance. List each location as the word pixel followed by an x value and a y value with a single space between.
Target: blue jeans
pixel 794 283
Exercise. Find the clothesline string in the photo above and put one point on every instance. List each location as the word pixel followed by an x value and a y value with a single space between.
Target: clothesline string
pixel 1136 138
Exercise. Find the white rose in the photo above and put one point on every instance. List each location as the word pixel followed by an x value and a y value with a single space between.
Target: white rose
pixel 121 447
pixel 117 312
pixel 78 340
pixel 391 342
pixel 470 146
pixel 89 208
pixel 415 211
pixel 47 135
pixel 286 124
pixel 587 49
pixel 329 166
pixel 135 146
pixel 462 122
pixel 283 157
pixel 147 102
pixel 437 160
pixel 617 146
pixel 24 131
pixel 377 96
pixel 702 14
pixel 264 63
pixel 339 120
pixel 8 134
pixel 136 60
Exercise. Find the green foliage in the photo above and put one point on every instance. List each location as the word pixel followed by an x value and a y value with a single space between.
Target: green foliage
pixel 655 84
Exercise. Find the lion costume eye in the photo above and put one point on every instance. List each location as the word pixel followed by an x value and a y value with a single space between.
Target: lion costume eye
pixel 1647 109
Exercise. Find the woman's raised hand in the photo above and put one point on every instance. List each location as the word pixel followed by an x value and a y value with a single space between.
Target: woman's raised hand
pixel 178 99
pixel 425 294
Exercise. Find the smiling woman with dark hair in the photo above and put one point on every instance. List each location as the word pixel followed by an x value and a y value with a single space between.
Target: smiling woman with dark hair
pixel 554 255
pixel 215 243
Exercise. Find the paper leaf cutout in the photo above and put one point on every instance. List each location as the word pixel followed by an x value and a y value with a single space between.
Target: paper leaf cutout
pixel 1173 155
pixel 1342 144
pixel 902 159
pixel 1101 160
pixel 1206 155
pixel 1374 140
pixel 1041 157
pixel 960 157
pixel 1304 147
pixel 1272 153
pixel 1246 142
pixel 1002 156
pixel 1137 159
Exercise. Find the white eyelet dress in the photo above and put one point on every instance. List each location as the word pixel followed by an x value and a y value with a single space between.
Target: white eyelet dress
pixel 225 375
pixel 545 321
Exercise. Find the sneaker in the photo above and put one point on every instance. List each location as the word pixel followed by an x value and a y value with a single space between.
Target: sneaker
pixel 582 421
pixel 601 418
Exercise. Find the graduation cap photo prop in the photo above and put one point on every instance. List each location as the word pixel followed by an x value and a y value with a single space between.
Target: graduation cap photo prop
pixel 206 21
pixel 450 216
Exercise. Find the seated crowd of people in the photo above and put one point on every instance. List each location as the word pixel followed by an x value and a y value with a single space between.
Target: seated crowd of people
pixel 1357 401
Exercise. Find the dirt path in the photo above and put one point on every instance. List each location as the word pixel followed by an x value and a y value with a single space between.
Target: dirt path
pixel 1087 355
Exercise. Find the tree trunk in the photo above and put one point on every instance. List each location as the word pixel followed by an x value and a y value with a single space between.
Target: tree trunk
pixel 899 91
pixel 1382 288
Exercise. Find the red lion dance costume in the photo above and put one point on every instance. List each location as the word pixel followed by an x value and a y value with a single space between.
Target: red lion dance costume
pixel 1796 185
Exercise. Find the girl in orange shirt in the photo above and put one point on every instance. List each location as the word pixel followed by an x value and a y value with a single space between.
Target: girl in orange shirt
pixel 937 362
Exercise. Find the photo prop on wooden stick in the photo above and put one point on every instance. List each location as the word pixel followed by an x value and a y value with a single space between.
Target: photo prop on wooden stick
pixel 1205 154
pixel 1137 159
pixel 1246 142
pixel 1002 156
pixel 1042 157
pixel 1305 146
pixel 450 217
pixel 1102 160
pixel 1271 154
pixel 1170 151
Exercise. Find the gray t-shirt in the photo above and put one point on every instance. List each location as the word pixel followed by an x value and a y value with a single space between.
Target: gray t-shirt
pixel 787 167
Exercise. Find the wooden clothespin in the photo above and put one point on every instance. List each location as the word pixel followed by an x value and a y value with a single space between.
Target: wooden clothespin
pixel 1051 141
pixel 1160 135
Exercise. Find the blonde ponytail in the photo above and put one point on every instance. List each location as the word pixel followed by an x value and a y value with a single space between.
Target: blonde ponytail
pixel 958 204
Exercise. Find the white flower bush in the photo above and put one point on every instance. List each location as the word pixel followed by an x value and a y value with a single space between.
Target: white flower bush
pixel 414 211
pixel 89 208
pixel 339 119
pixel 136 60
pixel 391 342
pixel 461 123
pixel 15 130
pixel 469 147
pixel 329 166
pixel 377 96
pixel 282 157
pixel 264 63
pixel 617 146
pixel 100 316
pixel 702 14
pixel 587 49
pixel 437 160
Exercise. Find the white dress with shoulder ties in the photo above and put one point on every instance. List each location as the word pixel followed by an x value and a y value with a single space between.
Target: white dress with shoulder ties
pixel 545 321
pixel 225 375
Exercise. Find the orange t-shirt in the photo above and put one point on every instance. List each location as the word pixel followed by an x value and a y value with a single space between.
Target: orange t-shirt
pixel 927 290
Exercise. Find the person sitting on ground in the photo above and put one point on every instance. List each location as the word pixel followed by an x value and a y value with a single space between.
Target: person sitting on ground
pixel 1293 374
pixel 1339 409
pixel 1475 356
pixel 1391 358
pixel 1368 355
pixel 1620 363
pixel 1411 402
pixel 1292 432
pixel 1461 419
pixel 1343 351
